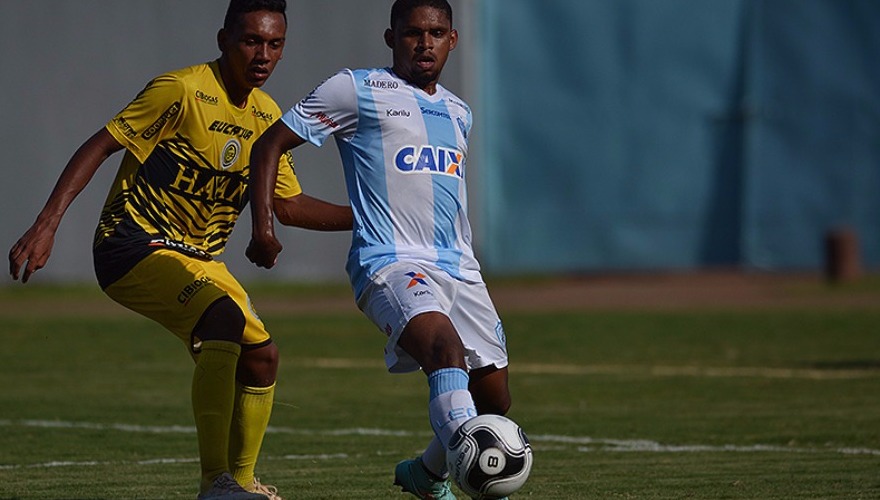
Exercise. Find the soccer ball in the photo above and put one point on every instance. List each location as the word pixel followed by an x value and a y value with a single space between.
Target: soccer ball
pixel 489 457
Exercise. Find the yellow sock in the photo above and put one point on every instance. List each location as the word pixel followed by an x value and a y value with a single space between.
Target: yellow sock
pixel 213 394
pixel 253 406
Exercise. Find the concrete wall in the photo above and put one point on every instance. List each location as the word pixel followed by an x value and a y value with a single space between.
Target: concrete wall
pixel 70 65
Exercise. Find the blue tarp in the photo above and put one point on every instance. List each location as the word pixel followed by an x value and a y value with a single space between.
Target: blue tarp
pixel 677 134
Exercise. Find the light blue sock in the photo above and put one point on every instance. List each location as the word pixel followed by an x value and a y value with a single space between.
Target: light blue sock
pixel 451 403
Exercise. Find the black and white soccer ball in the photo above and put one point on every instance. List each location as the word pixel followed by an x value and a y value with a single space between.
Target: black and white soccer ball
pixel 489 457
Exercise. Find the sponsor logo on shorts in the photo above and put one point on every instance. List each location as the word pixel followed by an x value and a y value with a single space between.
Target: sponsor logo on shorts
pixel 416 279
pixel 190 291
pixel 251 308
pixel 499 332
pixel 429 160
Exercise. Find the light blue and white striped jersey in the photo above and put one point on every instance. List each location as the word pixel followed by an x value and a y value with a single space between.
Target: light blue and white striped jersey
pixel 403 153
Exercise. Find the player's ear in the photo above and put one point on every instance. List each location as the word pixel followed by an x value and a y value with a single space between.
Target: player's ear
pixel 221 40
pixel 453 39
pixel 389 38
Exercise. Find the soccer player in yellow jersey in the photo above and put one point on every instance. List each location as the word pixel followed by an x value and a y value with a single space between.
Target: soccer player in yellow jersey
pixel 180 188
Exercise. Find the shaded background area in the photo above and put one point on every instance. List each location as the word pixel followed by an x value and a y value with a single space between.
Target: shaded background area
pixel 678 134
pixel 70 65
pixel 624 135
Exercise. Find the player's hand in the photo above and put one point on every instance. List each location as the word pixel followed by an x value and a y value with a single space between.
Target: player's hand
pixel 264 252
pixel 31 251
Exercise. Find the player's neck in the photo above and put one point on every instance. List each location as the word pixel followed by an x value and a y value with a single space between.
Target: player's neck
pixel 237 94
pixel 429 88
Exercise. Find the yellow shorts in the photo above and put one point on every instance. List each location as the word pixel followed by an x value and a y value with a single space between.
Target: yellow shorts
pixel 174 290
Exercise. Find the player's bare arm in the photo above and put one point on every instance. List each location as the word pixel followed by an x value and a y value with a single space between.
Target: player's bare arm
pixel 264 247
pixel 33 249
pixel 307 212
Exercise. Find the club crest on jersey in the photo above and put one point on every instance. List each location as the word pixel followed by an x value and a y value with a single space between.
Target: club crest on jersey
pixel 230 153
pixel 429 160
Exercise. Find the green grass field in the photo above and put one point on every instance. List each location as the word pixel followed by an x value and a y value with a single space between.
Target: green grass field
pixel 763 404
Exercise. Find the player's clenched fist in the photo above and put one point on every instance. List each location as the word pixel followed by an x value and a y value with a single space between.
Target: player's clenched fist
pixel 31 251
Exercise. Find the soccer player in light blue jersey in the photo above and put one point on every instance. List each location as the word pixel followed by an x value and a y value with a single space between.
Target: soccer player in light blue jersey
pixel 403 138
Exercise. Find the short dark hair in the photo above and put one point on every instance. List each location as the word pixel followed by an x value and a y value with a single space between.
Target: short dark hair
pixel 402 8
pixel 237 8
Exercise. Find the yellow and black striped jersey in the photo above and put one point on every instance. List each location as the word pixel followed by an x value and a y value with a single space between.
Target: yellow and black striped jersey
pixel 183 180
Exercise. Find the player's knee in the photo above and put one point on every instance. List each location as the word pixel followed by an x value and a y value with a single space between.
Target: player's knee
pixel 258 367
pixel 497 405
pixel 223 320
pixel 265 355
pixel 489 389
pixel 431 339
pixel 447 352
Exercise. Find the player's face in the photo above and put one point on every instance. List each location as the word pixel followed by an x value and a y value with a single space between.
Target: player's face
pixel 252 49
pixel 420 45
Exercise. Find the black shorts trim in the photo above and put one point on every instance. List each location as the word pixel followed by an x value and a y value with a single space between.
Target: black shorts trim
pixel 251 347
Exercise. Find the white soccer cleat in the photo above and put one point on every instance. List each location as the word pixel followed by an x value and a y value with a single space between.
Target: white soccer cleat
pixel 270 491
pixel 225 487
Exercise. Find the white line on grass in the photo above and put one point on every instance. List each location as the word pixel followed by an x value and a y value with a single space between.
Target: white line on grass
pixel 182 429
pixel 588 444
pixel 583 444
pixel 160 461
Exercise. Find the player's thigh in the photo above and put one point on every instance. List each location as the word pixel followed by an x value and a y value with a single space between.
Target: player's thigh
pixel 396 294
pixel 255 334
pixel 474 316
pixel 175 290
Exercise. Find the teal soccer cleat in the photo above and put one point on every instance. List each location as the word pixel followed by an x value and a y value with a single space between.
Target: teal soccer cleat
pixel 412 477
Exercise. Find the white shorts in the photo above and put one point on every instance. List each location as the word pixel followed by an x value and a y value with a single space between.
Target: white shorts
pixel 403 290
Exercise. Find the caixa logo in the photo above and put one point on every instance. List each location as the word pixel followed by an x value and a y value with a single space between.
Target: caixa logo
pixel 429 160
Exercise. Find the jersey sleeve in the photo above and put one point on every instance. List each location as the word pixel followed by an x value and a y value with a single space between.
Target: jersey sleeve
pixel 286 184
pixel 330 109
pixel 155 114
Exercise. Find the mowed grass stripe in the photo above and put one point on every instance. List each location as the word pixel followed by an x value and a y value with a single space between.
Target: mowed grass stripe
pixel 651 405
pixel 659 371
pixel 583 443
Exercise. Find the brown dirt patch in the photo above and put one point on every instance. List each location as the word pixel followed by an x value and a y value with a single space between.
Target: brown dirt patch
pixel 645 292
pixel 683 291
